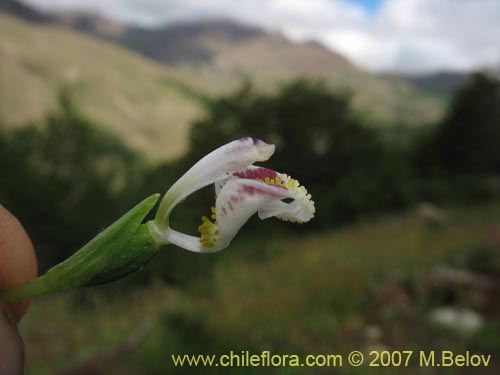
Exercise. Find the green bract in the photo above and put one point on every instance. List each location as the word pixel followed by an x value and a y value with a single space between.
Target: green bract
pixel 123 247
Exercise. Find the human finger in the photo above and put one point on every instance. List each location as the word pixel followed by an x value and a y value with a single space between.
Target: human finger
pixel 18 262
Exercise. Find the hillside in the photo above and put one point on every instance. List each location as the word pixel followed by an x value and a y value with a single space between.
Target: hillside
pixel 145 104
pixel 221 54
pixel 272 59
pixel 441 83
pixel 151 104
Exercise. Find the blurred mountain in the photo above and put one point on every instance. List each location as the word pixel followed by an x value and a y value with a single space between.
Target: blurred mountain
pixel 24 12
pixel 146 104
pixel 145 98
pixel 441 83
pixel 222 53
pixel 189 43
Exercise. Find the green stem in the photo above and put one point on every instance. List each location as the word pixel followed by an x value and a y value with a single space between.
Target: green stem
pixel 32 288
pixel 162 213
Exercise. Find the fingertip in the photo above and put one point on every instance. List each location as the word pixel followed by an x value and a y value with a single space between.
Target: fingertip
pixel 18 262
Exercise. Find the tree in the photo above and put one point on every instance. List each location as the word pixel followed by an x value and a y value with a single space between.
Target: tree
pixel 468 140
pixel 460 160
pixel 66 179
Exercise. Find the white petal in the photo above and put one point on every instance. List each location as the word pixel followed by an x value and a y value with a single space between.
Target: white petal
pixel 295 212
pixel 185 241
pixel 221 163
pixel 237 201
pixel 300 210
pixel 271 209
pixel 219 185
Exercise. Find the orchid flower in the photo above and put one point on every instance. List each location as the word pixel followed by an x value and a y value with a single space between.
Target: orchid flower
pixel 242 190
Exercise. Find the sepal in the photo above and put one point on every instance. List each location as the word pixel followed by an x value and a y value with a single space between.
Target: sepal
pixel 122 248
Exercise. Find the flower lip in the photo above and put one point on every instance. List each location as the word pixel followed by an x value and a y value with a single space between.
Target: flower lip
pixel 253 190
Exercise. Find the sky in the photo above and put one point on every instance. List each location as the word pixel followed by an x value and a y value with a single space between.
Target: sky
pixel 405 36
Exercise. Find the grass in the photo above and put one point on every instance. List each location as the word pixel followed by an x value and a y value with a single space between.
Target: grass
pixel 318 293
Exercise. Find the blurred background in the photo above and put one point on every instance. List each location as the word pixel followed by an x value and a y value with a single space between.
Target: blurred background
pixel 387 111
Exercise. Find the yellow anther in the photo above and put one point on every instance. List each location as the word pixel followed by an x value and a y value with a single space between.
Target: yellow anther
pixel 208 230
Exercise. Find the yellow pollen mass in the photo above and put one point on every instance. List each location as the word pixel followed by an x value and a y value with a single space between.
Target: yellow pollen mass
pixel 209 230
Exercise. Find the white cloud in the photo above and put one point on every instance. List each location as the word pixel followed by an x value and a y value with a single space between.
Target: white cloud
pixel 404 35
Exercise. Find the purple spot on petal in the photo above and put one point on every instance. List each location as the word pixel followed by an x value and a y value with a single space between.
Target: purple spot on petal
pixel 254 173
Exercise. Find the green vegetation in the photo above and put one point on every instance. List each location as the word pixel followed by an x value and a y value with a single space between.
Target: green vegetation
pixel 66 179
pixel 372 283
pixel 467 141
pixel 307 294
pixel 69 173
pixel 464 149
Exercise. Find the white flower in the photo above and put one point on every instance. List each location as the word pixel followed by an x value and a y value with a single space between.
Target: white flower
pixel 241 189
